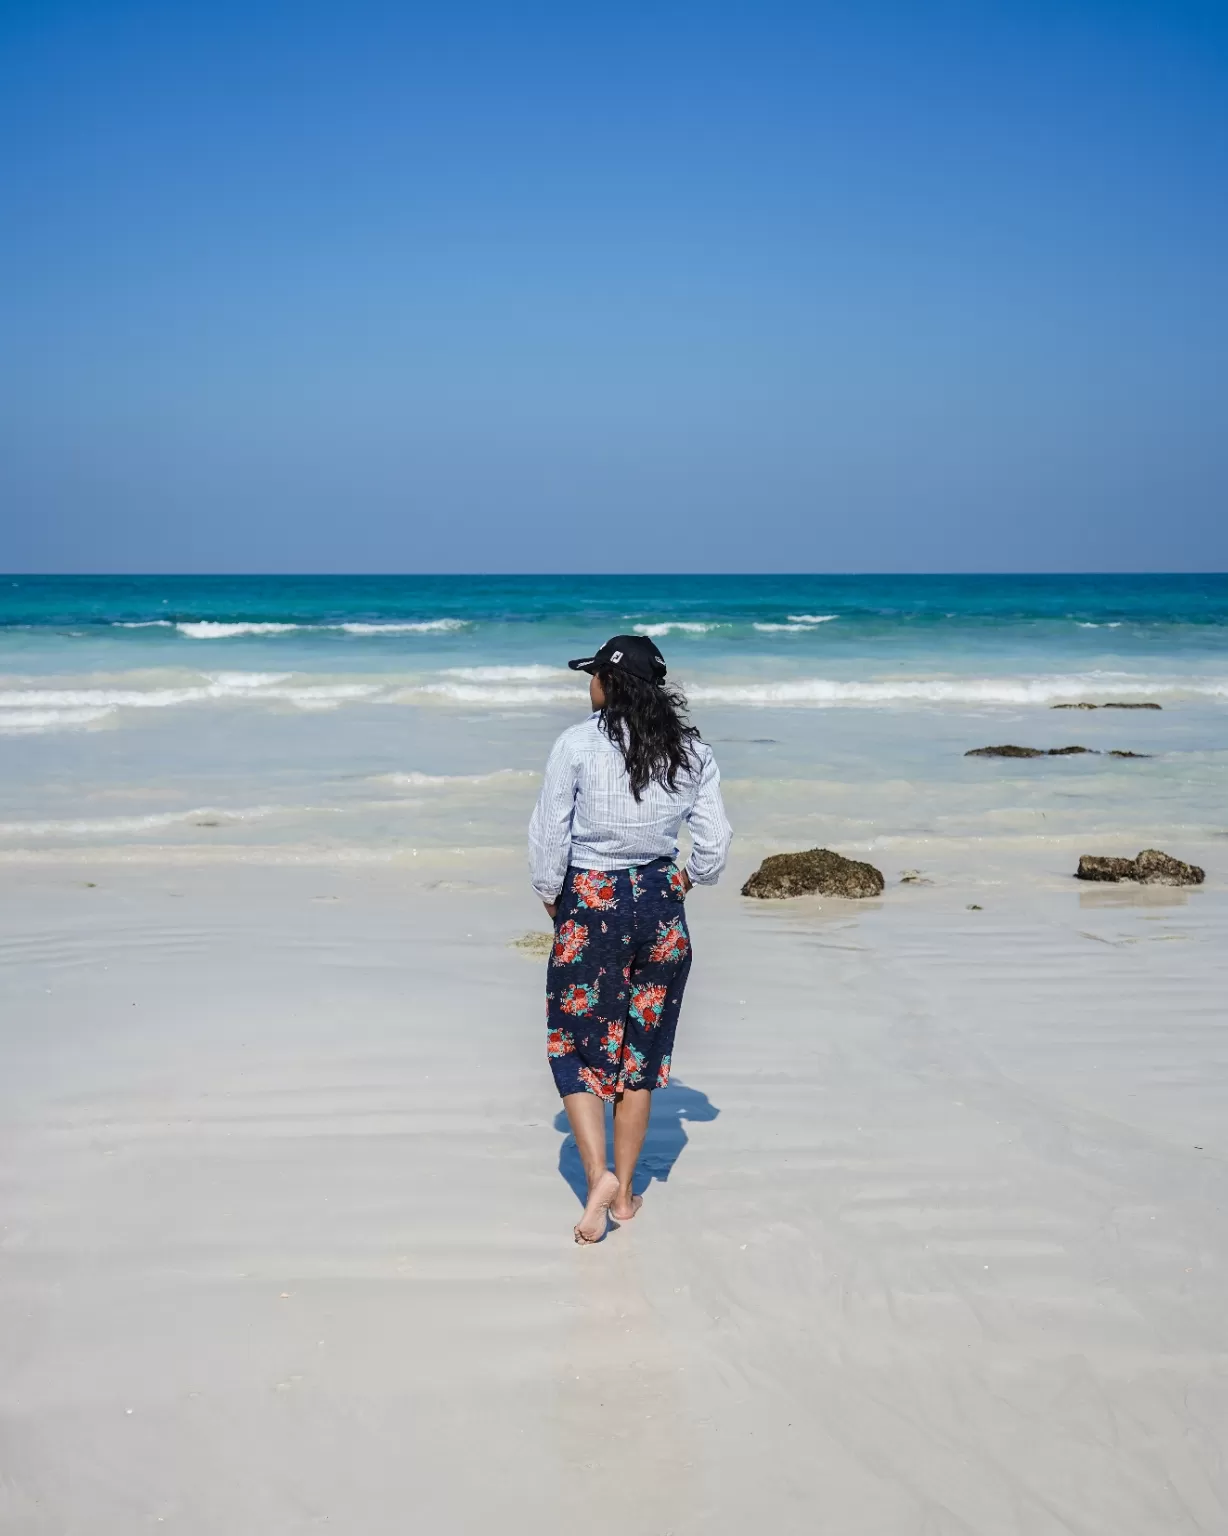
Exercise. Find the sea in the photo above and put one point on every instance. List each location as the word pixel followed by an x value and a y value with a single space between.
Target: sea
pixel 360 718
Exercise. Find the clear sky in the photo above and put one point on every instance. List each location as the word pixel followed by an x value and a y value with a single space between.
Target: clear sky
pixel 666 286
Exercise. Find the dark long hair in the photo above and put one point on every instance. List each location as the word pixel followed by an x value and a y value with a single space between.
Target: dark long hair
pixel 647 723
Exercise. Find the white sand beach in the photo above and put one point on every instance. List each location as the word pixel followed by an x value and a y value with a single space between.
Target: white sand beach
pixel 934 1244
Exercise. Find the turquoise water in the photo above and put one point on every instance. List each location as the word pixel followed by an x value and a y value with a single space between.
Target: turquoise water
pixel 375 714
pixel 762 627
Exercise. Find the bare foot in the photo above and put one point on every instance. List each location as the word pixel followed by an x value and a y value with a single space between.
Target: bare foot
pixel 591 1226
pixel 624 1210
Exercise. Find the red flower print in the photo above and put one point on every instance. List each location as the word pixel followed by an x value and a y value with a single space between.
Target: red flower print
pixel 569 942
pixel 578 998
pixel 676 883
pixel 646 1001
pixel 672 942
pixel 612 1040
pixel 596 1082
pixel 632 1074
pixel 594 889
pixel 559 1043
pixel 663 1074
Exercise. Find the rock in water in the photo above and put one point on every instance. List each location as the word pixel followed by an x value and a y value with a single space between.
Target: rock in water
pixel 1005 752
pixel 1156 868
pixel 818 869
pixel 1095 866
pixel 1009 751
pixel 1151 867
pixel 1117 752
pixel 1148 705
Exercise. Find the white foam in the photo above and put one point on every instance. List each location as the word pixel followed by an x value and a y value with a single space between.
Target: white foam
pixel 472 693
pixel 33 722
pixel 105 826
pixel 770 628
pixel 218 685
pixel 452 780
pixel 143 624
pixel 812 618
pixel 427 626
pixel 209 629
pixel 532 674
pixel 322 695
pixel 240 681
pixel 686 626
pixel 101 698
pixel 213 629
pixel 821 692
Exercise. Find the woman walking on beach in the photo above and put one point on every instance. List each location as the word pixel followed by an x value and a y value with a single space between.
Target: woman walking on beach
pixel 602 846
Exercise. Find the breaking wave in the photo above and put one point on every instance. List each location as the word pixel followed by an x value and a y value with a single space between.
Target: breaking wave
pixel 214 629
pixel 819 692
pixel 685 626
pixel 452 780
pixel 426 626
pixel 104 826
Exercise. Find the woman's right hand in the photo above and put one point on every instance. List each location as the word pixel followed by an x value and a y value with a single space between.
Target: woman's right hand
pixel 552 909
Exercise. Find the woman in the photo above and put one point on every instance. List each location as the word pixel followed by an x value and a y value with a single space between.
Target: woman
pixel 602 845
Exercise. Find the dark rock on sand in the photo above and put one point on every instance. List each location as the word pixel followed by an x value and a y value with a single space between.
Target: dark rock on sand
pixel 1105 706
pixel 1151 867
pixel 1070 751
pixel 817 870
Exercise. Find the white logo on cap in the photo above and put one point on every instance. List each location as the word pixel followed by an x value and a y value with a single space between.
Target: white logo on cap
pixel 616 656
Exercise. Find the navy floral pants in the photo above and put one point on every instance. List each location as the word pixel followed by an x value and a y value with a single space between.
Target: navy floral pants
pixel 615 980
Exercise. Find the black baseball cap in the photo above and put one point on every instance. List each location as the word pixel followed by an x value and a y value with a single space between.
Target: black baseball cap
pixel 632 653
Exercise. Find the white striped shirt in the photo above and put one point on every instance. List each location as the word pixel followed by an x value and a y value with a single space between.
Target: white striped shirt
pixel 586 814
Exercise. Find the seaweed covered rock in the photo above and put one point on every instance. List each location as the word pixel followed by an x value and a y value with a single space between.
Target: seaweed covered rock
pixel 1096 866
pixel 1148 705
pixel 1009 751
pixel 1156 868
pixel 818 870
pixel 1151 867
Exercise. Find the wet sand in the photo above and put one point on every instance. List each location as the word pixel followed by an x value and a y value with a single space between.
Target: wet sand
pixel 934 1241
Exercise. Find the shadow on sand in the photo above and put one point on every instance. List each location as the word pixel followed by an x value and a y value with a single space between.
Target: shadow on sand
pixel 663 1145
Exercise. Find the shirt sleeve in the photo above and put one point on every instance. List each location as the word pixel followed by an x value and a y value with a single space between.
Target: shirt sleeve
pixel 711 833
pixel 550 825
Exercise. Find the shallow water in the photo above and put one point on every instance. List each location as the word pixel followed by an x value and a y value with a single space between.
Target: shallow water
pixel 363 717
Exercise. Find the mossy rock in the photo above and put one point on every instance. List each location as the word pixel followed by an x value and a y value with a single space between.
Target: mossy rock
pixel 816 871
pixel 1151 867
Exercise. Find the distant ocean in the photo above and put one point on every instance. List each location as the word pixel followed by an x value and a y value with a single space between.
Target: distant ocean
pixel 311 711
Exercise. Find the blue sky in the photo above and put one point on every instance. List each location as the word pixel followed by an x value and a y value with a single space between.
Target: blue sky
pixel 666 287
